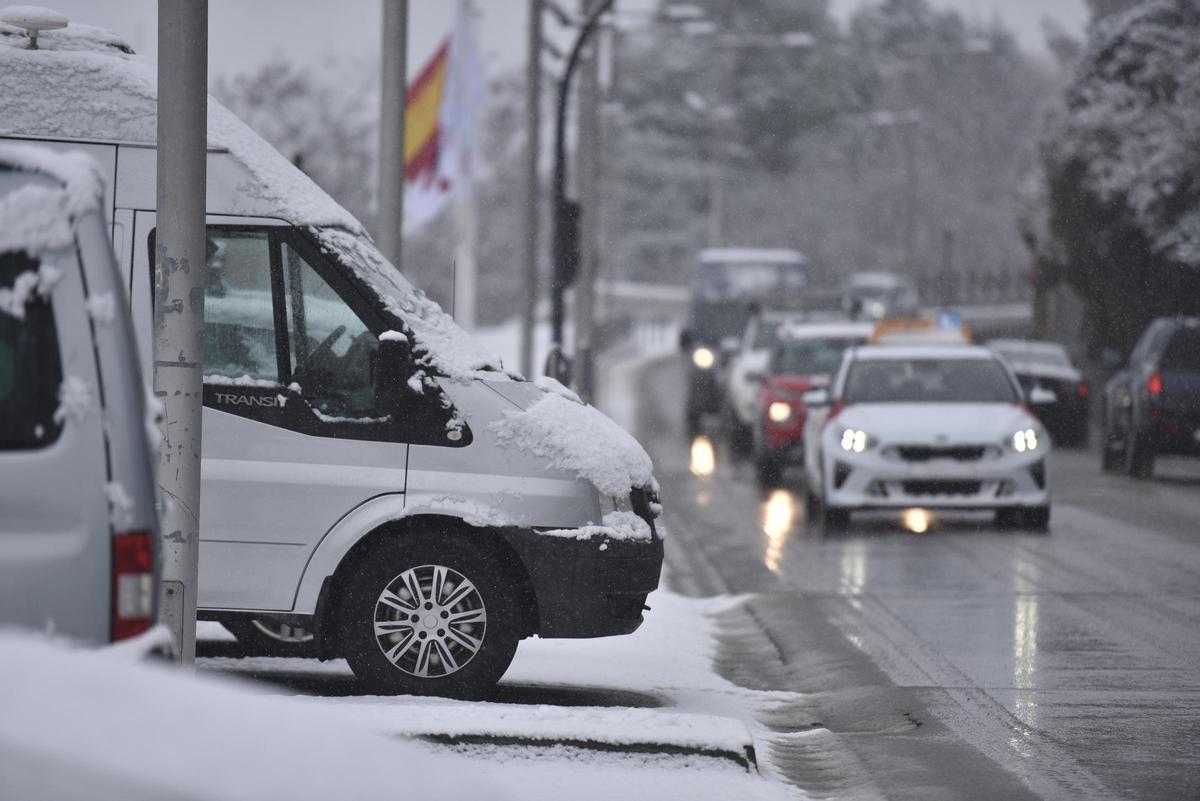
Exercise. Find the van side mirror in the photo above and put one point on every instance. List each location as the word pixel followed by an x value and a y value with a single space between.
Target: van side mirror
pixel 685 339
pixel 391 368
pixel 816 398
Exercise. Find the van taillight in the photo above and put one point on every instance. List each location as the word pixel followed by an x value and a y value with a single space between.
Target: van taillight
pixel 1154 384
pixel 132 584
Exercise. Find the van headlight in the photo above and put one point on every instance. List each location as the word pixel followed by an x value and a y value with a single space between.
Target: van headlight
pixel 1026 440
pixel 704 358
pixel 779 412
pixel 855 440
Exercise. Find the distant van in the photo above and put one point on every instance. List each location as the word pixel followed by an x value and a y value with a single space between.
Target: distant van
pixel 727 285
pixel 78 527
pixel 374 484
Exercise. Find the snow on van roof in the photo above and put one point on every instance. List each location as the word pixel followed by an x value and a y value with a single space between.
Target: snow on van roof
pixel 86 83
pixel 37 217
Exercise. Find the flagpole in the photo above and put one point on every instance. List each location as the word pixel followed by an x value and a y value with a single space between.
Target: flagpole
pixel 466 268
pixel 389 226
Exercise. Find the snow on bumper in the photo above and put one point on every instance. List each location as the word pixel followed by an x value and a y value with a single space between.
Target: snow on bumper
pixel 875 480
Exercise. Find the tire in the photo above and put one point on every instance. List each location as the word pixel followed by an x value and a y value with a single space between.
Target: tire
pixel 740 439
pixel 1139 456
pixel 1036 518
pixel 767 472
pixel 1110 460
pixel 437 566
pixel 1031 518
pixel 1009 517
pixel 266 637
pixel 812 507
pixel 835 518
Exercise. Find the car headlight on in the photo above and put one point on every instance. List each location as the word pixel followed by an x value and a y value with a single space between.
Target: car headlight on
pixel 779 412
pixel 855 440
pixel 1026 440
pixel 704 358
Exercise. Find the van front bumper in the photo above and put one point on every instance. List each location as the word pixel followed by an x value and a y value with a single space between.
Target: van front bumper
pixel 594 587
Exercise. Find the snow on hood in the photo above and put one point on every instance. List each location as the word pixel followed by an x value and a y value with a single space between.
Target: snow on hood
pixel 924 423
pixel 38 218
pixel 579 439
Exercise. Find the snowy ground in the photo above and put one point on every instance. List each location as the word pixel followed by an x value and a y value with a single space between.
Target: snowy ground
pixel 641 716
pixel 634 717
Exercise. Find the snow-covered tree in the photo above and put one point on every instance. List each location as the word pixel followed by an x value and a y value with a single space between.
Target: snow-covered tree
pixel 1122 168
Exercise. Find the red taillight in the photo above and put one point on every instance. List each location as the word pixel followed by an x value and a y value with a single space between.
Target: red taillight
pixel 132 584
pixel 1082 390
pixel 1154 384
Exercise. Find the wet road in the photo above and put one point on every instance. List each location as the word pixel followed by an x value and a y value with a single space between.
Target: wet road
pixel 964 662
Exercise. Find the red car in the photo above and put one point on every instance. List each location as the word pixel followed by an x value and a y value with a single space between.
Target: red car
pixel 805 358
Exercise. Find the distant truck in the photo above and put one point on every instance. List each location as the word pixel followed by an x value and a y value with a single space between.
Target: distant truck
pixel 728 284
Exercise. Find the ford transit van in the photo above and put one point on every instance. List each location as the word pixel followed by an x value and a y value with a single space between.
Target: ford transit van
pixel 374 484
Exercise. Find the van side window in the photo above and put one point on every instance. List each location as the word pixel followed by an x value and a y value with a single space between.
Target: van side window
pixel 30 364
pixel 331 350
pixel 239 321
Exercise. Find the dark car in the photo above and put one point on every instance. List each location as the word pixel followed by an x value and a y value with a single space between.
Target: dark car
pixel 728 285
pixel 1152 406
pixel 1047 365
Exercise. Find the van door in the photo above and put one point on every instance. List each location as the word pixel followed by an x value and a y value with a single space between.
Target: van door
pixel 292 441
pixel 55 539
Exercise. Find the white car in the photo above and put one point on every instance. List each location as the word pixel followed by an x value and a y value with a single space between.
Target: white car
pixel 743 384
pixel 927 427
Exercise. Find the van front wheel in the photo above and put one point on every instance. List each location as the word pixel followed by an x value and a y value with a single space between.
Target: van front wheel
pixel 431 615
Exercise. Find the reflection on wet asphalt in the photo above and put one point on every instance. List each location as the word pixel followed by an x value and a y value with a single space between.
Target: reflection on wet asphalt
pixel 1067 663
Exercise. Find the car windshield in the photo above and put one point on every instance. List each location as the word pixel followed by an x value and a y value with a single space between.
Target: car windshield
pixel 928 380
pixel 811 356
pixel 728 280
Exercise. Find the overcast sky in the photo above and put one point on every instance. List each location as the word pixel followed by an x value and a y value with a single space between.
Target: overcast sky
pixel 243 35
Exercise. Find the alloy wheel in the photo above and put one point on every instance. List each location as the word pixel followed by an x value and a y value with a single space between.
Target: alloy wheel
pixel 430 621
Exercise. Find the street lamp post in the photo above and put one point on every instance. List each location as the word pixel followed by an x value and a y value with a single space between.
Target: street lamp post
pixel 566 211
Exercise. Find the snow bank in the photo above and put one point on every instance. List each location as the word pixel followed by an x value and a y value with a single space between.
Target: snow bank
pixel 78 724
pixel 578 438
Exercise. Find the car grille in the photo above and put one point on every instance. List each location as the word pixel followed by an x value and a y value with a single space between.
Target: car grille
pixel 925 453
pixel 942 487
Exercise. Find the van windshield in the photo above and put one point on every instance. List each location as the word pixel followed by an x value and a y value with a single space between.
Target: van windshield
pixel 738 280
pixel 444 344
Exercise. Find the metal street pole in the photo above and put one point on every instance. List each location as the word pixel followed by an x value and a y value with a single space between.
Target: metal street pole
pixel 566 245
pixel 179 279
pixel 389 226
pixel 587 163
pixel 533 109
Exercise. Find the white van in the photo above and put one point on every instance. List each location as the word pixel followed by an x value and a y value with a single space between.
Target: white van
pixel 78 528
pixel 375 485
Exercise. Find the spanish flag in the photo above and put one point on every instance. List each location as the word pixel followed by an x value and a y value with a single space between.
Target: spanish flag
pixel 439 126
